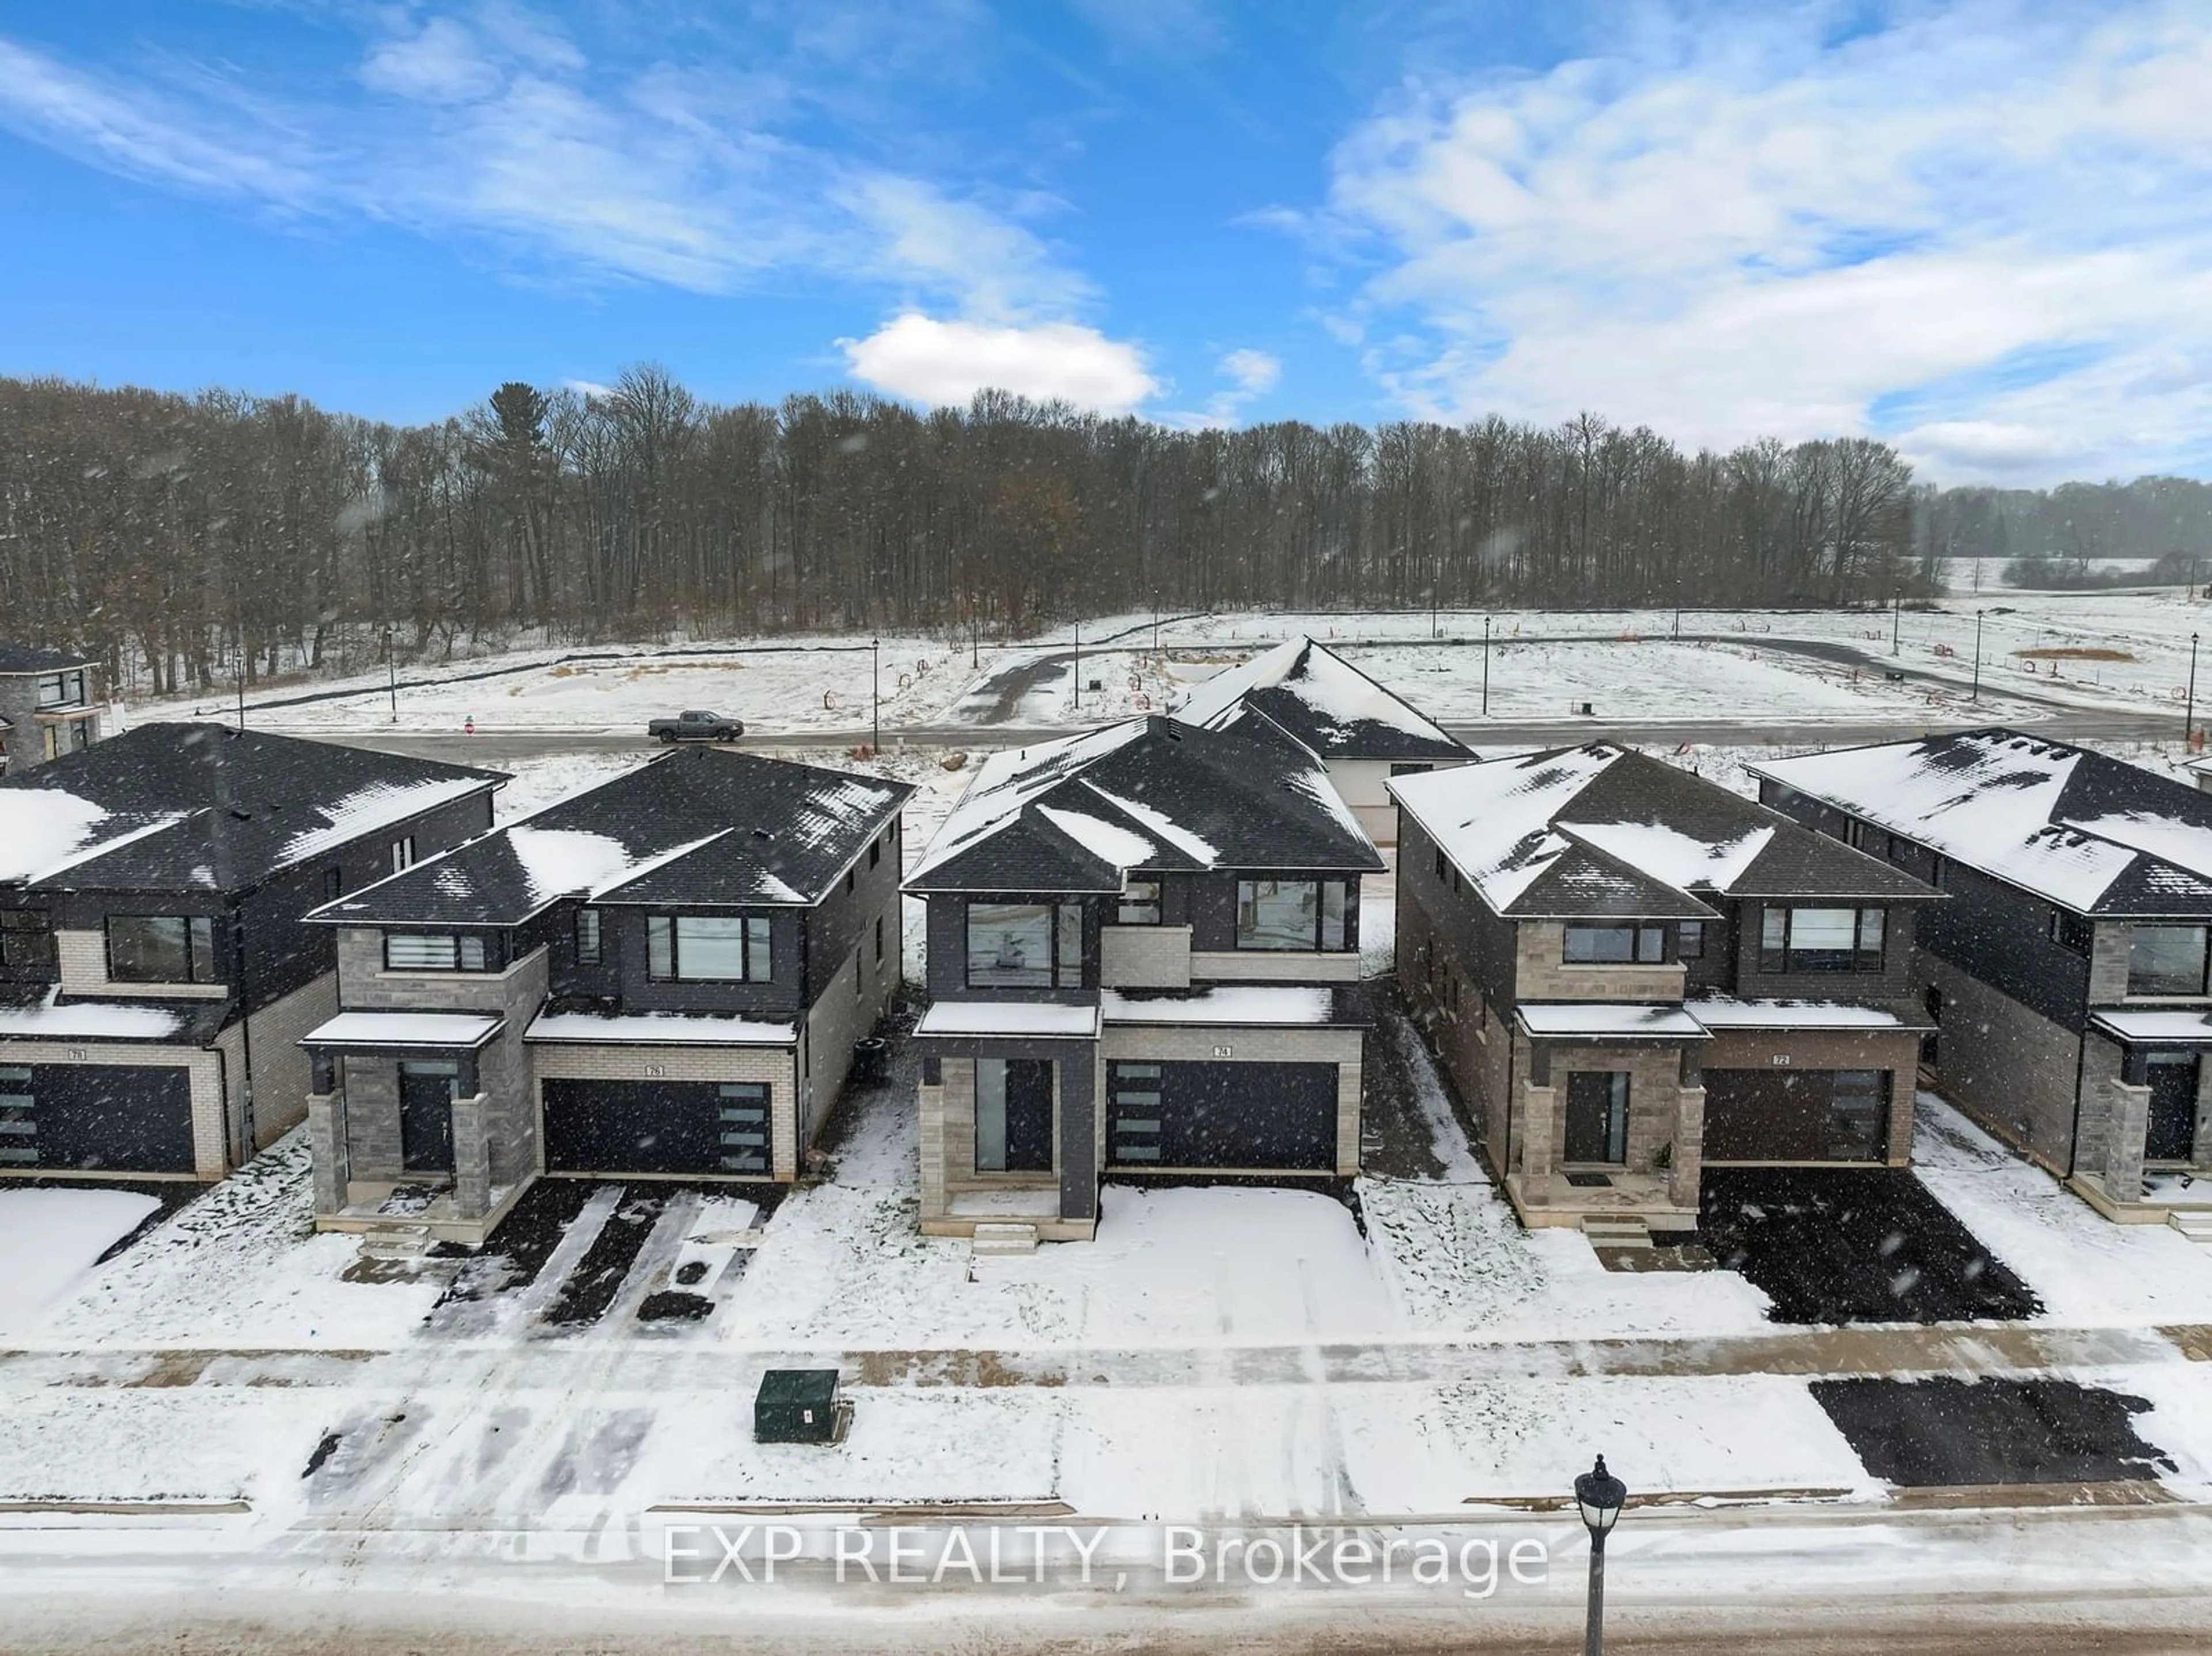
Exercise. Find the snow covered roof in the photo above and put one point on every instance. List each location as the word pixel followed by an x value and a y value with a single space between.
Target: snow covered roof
pixel 1600 831
pixel 700 828
pixel 31 658
pixel 51 1018
pixel 1022 1019
pixel 1242 1002
pixel 1082 812
pixel 175 807
pixel 670 1029
pixel 380 1029
pixel 1605 1020
pixel 1324 703
pixel 1725 1012
pixel 2089 833
pixel 2156 1025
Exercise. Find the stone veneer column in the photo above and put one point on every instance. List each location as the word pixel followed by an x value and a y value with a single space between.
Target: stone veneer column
pixel 472 1158
pixel 2200 1149
pixel 1536 1144
pixel 1684 1172
pixel 2127 1122
pixel 326 1149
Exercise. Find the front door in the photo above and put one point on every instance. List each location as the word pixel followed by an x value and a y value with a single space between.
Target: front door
pixel 1858 1113
pixel 1597 1116
pixel 426 1117
pixel 2170 1133
pixel 1014 1115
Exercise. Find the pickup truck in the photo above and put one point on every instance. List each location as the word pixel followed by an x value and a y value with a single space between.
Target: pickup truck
pixel 695 727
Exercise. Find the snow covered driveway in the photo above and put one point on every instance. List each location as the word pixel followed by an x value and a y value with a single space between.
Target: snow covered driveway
pixel 49 1237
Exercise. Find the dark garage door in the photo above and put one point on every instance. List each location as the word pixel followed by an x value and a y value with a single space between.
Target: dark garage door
pixel 658 1126
pixel 1270 1116
pixel 95 1117
pixel 1796 1115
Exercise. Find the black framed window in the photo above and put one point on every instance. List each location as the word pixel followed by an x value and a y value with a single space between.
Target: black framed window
pixel 26 940
pixel 442 951
pixel 879 939
pixel 402 854
pixel 62 689
pixel 709 949
pixel 588 937
pixel 1444 869
pixel 161 949
pixel 1690 940
pixel 1613 943
pixel 741 1125
pixel 2167 960
pixel 1821 939
pixel 1139 904
pixel 1025 945
pixel 333 884
pixel 875 852
pixel 2071 931
pixel 1304 916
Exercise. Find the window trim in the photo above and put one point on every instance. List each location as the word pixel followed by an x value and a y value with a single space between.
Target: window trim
pixel 63 698
pixel 490 958
pixel 1685 931
pixel 1783 960
pixel 199 939
pixel 1347 915
pixel 1062 971
pixel 668 925
pixel 590 936
pixel 2204 973
pixel 35 927
pixel 400 854
pixel 1641 934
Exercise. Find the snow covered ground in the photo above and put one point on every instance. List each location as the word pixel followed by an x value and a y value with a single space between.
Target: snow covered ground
pixel 50 1237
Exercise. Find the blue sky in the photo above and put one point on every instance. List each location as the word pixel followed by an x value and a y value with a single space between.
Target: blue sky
pixel 1980 230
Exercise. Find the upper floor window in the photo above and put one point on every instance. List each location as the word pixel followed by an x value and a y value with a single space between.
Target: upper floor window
pixel 403 854
pixel 1141 903
pixel 1822 940
pixel 1611 944
pixel 588 937
pixel 161 949
pixel 1690 940
pixel 440 951
pixel 709 949
pixel 62 689
pixel 26 940
pixel 1303 915
pixel 1025 945
pixel 2072 930
pixel 2167 960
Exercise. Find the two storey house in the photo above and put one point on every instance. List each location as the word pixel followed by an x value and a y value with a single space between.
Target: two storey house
pixel 47 706
pixel 1632 973
pixel 156 971
pixel 1143 959
pixel 2068 972
pixel 1362 734
pixel 664 976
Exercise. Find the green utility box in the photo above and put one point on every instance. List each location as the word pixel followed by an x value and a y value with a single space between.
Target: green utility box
pixel 800 1405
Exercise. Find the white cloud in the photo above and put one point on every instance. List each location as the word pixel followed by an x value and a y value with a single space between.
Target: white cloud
pixel 995 268
pixel 1253 372
pixel 946 363
pixel 440 65
pixel 1979 229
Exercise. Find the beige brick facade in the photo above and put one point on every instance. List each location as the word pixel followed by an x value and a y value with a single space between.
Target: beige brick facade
pixel 1144 956
pixel 1270 965
pixel 83 958
pixel 210 1127
pixel 1542 973
pixel 564 1060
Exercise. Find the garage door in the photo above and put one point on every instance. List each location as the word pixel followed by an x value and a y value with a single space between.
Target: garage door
pixel 1796 1115
pixel 95 1117
pixel 703 1128
pixel 1263 1116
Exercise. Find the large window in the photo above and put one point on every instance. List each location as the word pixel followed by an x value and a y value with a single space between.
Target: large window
pixel 2072 930
pixel 1025 945
pixel 26 940
pixel 62 689
pixel 161 949
pixel 588 937
pixel 1303 915
pixel 2167 960
pixel 441 951
pixel 709 949
pixel 1822 940
pixel 1690 940
pixel 1588 944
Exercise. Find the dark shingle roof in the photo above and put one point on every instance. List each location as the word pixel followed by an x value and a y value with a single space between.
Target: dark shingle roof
pixel 2090 832
pixel 1602 831
pixel 1152 795
pixel 1325 704
pixel 31 658
pixel 701 827
pixel 177 807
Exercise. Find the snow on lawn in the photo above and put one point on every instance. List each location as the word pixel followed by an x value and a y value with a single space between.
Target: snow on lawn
pixel 2085 1269
pixel 160 1443
pixel 50 1237
pixel 240 1265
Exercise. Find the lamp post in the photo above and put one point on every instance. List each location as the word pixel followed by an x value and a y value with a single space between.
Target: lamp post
pixel 975 635
pixel 876 695
pixel 1976 697
pixel 2189 718
pixel 1435 592
pixel 1156 622
pixel 1601 1496
pixel 1078 666
pixel 1896 619
pixel 1485 666
pixel 392 674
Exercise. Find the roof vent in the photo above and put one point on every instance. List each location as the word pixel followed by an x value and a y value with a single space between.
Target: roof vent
pixel 764 834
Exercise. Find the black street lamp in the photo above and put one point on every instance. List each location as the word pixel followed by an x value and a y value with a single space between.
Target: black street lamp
pixel 1078 666
pixel 876 695
pixel 1896 619
pixel 2189 718
pixel 392 674
pixel 1976 697
pixel 1485 666
pixel 1600 1496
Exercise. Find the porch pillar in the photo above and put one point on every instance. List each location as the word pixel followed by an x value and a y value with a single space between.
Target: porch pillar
pixel 1685 1171
pixel 1536 1103
pixel 330 1165
pixel 2127 1121
pixel 472 1158
pixel 2200 1151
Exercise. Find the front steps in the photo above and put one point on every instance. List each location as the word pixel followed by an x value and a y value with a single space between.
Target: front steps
pixel 1003 1239
pixel 2194 1224
pixel 1616 1230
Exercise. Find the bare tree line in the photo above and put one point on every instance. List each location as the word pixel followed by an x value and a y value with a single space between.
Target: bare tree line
pixel 189 537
